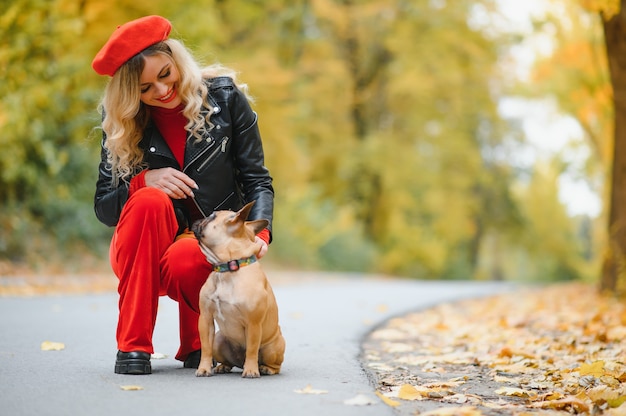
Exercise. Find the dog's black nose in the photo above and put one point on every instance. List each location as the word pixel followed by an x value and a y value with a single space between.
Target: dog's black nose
pixel 197 227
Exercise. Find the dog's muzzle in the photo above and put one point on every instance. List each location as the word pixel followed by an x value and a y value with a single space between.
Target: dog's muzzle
pixel 199 225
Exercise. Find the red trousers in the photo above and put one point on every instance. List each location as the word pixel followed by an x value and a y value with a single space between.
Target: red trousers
pixel 149 263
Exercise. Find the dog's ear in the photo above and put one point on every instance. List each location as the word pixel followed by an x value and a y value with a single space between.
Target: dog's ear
pixel 245 211
pixel 257 225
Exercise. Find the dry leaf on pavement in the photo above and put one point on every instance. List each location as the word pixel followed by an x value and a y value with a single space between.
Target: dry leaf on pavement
pixel 387 400
pixel 309 390
pixel 409 392
pixel 131 388
pixel 52 346
pixel 453 411
pixel 513 391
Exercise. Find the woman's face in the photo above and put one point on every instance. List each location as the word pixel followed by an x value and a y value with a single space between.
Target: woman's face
pixel 159 82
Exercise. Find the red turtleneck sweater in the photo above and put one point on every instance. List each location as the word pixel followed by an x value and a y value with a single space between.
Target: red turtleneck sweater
pixel 171 124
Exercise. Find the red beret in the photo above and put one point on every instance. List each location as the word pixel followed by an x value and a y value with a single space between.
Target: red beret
pixel 128 40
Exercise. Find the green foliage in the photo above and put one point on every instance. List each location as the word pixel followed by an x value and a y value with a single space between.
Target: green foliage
pixel 379 119
pixel 43 164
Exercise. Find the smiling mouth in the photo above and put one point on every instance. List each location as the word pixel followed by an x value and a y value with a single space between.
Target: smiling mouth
pixel 168 97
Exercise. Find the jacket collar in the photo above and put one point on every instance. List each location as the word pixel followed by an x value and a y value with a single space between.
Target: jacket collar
pixel 154 143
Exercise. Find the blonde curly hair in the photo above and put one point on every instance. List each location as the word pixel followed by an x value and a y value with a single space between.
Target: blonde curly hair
pixel 125 116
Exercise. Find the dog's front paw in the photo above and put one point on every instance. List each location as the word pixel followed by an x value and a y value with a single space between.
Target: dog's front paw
pixel 251 373
pixel 204 371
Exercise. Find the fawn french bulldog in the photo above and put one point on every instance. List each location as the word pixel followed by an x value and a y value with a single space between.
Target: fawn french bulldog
pixel 238 296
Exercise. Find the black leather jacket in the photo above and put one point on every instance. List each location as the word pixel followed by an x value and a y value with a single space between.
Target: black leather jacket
pixel 228 165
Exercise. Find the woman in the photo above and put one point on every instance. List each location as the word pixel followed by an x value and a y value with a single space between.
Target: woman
pixel 179 142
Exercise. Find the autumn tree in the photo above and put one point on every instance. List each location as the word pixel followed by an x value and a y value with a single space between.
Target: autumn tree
pixel 584 73
pixel 614 24
pixel 601 110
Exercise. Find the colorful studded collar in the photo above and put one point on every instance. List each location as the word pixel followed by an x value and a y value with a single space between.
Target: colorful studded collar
pixel 234 265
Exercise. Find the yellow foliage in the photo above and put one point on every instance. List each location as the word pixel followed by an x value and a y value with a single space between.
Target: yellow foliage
pixel 608 8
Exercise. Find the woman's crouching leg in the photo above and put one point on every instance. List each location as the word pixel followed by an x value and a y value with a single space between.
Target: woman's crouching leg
pixel 184 270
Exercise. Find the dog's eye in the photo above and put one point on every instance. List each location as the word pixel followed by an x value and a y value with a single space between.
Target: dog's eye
pixel 212 216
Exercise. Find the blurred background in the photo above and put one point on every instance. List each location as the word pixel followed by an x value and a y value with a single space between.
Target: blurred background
pixel 430 139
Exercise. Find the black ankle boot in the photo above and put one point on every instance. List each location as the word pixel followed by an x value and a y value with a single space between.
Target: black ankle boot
pixel 193 360
pixel 134 362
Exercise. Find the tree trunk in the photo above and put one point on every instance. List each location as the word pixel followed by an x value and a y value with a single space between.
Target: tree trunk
pixel 615 258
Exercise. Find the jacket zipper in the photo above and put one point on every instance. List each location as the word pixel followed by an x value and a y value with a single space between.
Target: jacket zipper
pixel 214 153
pixel 221 148
pixel 198 206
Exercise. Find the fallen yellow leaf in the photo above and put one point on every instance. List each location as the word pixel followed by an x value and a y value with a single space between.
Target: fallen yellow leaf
pixel 454 411
pixel 52 346
pixel 408 392
pixel 618 411
pixel 445 384
pixel 562 404
pixel 130 388
pixel 158 356
pixel 387 400
pixel 502 379
pixel 618 402
pixel 513 391
pixel 552 395
pixel 508 353
pixel 309 390
pixel 595 369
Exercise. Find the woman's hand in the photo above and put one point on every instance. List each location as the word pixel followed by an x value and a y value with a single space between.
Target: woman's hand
pixel 176 184
pixel 263 247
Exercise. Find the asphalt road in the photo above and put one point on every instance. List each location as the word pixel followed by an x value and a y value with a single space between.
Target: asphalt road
pixel 323 319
